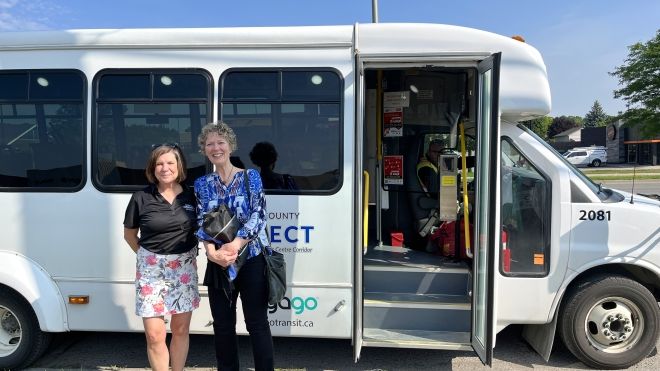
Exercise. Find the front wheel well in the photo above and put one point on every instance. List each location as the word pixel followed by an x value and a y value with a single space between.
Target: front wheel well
pixel 642 275
pixel 4 289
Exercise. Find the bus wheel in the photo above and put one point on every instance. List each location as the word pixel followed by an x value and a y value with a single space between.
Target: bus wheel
pixel 610 322
pixel 595 163
pixel 21 340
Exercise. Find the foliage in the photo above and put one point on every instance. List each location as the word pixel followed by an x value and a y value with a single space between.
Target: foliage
pixel 561 124
pixel 596 116
pixel 577 119
pixel 639 77
pixel 539 126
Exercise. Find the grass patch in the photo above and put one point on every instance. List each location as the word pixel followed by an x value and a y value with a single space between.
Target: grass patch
pixel 623 177
pixel 615 170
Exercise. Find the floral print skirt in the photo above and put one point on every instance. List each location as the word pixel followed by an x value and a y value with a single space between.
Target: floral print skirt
pixel 165 284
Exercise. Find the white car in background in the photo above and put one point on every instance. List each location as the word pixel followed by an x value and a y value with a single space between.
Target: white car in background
pixel 587 156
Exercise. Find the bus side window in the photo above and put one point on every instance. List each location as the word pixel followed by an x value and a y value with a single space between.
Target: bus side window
pixel 289 125
pixel 41 130
pixel 136 109
pixel 525 215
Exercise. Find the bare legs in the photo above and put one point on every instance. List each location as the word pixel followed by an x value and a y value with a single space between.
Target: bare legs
pixel 159 357
pixel 179 345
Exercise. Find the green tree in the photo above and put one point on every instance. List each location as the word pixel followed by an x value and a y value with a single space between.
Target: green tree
pixel 577 119
pixel 561 124
pixel 539 125
pixel 639 77
pixel 596 116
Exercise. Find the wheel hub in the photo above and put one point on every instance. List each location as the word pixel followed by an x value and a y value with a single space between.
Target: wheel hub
pixel 613 325
pixel 10 332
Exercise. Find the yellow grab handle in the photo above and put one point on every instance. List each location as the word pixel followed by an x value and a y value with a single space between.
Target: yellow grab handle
pixel 466 205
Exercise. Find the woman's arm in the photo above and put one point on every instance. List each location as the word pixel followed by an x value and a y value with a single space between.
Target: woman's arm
pixel 131 237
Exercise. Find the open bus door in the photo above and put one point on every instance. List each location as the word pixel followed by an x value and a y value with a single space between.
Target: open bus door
pixel 486 207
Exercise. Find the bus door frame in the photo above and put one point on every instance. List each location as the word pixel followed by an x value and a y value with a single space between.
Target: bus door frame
pixel 483 342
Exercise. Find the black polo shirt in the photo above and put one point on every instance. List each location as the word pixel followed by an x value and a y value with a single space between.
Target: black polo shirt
pixel 164 228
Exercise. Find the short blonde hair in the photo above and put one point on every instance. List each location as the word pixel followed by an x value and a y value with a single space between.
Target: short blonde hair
pixel 159 151
pixel 220 128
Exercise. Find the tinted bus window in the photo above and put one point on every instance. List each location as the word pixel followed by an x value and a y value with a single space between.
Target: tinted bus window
pixel 294 136
pixel 42 142
pixel 525 212
pixel 138 109
pixel 251 86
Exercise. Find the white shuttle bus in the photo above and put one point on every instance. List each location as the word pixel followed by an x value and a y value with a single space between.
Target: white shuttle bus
pixel 505 232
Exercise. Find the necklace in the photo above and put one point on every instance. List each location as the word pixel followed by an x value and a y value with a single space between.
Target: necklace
pixel 228 178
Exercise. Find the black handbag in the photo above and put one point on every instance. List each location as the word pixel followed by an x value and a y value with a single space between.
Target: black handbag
pixel 275 265
pixel 275 275
pixel 221 224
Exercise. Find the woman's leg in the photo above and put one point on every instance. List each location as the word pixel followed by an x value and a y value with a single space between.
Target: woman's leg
pixel 154 330
pixel 180 327
pixel 251 283
pixel 224 328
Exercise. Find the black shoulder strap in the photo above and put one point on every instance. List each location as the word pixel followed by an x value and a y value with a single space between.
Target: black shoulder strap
pixel 246 177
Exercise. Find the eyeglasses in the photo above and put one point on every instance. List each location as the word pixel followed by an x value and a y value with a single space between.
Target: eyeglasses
pixel 170 145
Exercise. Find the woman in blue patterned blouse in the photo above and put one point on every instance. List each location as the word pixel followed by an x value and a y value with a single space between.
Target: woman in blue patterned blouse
pixel 228 185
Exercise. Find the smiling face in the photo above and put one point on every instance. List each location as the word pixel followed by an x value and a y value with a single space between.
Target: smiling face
pixel 166 170
pixel 217 149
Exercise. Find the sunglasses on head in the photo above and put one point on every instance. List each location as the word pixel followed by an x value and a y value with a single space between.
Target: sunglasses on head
pixel 170 145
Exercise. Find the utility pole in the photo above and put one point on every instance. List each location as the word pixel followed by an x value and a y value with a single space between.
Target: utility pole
pixel 374 11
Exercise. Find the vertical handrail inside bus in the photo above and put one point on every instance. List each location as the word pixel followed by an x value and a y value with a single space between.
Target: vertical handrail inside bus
pixel 379 155
pixel 365 210
pixel 466 205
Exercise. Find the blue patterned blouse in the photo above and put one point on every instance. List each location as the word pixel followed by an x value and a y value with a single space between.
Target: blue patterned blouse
pixel 211 192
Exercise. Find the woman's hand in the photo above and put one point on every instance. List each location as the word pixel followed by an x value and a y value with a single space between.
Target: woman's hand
pixel 235 245
pixel 222 256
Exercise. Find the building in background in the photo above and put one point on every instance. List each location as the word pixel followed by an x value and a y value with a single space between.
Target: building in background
pixel 630 146
pixel 578 137
pixel 624 144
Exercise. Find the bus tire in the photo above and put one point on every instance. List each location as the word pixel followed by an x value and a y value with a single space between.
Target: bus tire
pixel 610 322
pixel 595 163
pixel 21 339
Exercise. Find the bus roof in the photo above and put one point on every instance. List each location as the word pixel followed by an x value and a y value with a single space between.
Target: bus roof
pixel 524 88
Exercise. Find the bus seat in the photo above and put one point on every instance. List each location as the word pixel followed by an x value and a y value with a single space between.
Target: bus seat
pixel 420 203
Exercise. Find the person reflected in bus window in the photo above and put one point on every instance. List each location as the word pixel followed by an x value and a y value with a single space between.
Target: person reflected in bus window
pixel 159 226
pixel 227 184
pixel 264 155
pixel 427 169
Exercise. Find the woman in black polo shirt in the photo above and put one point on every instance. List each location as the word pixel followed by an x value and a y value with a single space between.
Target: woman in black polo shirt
pixel 166 269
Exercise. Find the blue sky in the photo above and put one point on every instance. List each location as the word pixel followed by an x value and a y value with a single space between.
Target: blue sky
pixel 580 40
